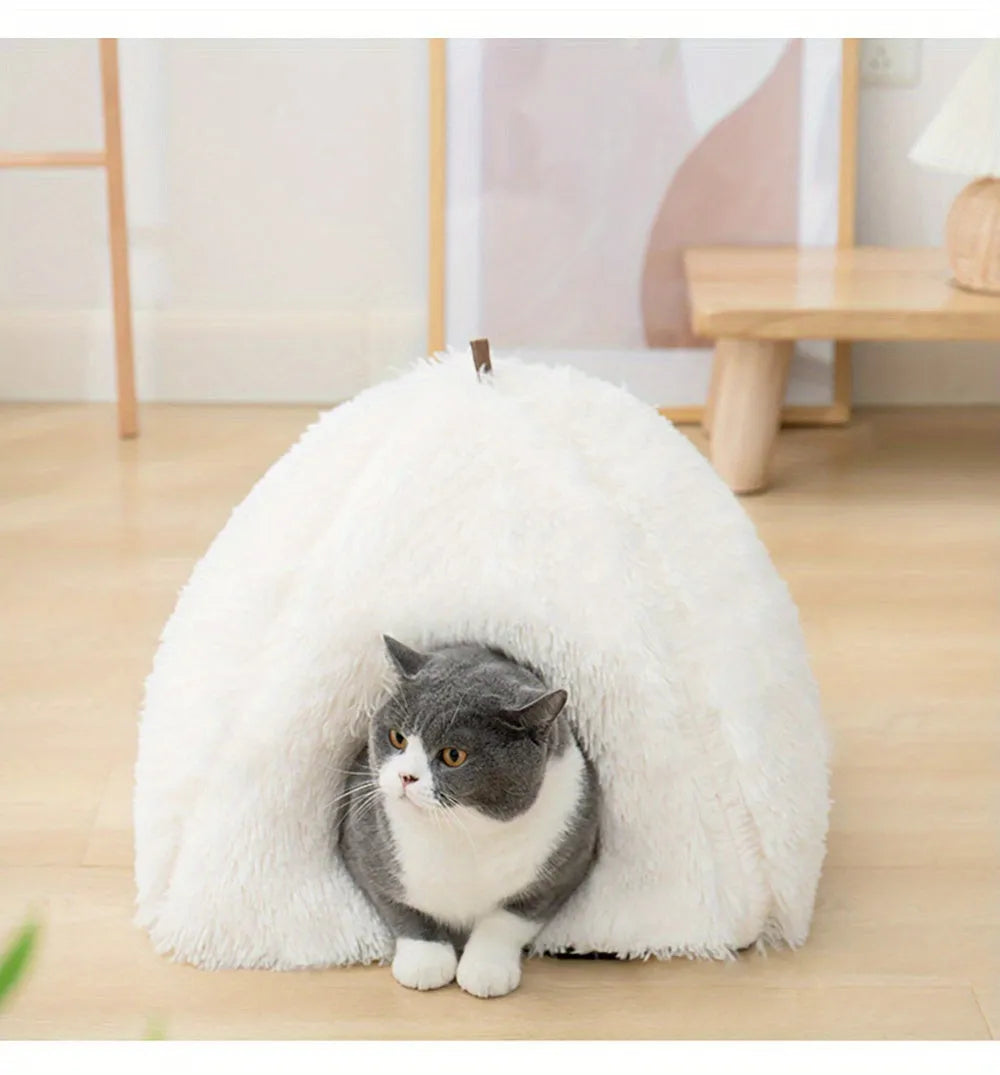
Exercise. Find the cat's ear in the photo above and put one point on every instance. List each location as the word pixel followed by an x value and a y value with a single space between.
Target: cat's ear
pixel 538 715
pixel 408 661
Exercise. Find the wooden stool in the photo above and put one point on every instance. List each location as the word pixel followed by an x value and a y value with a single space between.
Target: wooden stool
pixel 110 158
pixel 756 302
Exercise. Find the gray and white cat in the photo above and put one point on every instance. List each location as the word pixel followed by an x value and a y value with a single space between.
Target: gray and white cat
pixel 471 815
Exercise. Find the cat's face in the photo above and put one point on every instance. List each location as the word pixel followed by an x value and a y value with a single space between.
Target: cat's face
pixel 465 728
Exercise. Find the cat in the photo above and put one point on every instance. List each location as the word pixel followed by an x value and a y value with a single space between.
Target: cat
pixel 471 815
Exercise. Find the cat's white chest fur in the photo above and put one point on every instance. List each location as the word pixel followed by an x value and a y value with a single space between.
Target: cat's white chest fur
pixel 458 865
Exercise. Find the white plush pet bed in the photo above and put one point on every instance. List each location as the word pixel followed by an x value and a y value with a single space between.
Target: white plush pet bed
pixel 537 510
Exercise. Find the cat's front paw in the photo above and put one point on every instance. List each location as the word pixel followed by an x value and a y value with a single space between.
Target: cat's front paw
pixel 489 973
pixel 423 964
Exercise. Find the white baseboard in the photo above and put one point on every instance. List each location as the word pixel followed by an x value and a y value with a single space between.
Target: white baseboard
pixel 292 356
pixel 210 356
pixel 918 374
pixel 679 378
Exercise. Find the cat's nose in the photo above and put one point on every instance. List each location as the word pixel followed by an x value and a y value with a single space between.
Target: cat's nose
pixel 407 778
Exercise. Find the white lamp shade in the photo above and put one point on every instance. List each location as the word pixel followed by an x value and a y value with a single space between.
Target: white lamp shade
pixel 964 136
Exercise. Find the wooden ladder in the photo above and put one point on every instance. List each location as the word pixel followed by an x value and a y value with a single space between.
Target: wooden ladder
pixel 109 158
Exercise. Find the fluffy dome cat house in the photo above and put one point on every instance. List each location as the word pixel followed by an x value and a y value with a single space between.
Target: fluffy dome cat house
pixel 533 509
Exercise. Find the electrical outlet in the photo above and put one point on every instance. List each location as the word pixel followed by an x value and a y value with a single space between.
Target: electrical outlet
pixel 890 61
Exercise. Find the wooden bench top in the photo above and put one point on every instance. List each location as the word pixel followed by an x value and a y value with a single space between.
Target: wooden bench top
pixel 864 293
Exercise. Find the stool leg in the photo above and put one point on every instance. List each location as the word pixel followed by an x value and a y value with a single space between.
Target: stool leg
pixel 747 410
pixel 117 226
pixel 718 359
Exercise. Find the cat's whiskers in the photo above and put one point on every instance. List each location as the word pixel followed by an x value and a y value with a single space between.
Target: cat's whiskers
pixel 455 822
pixel 367 805
pixel 363 804
pixel 447 823
pixel 347 793
pixel 356 789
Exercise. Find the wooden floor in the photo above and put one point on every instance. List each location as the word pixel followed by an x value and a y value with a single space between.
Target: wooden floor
pixel 889 536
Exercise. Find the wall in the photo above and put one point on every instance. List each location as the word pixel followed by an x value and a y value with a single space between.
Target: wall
pixel 276 196
pixel 901 204
pixel 311 284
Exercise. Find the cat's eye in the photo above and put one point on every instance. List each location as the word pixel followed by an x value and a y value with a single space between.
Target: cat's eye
pixel 397 739
pixel 453 757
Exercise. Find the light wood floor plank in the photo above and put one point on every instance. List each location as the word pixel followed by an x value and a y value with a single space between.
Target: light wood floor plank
pixel 989 1004
pixel 887 533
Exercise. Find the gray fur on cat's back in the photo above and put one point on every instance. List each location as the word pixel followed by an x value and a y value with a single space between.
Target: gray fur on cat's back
pixel 461 689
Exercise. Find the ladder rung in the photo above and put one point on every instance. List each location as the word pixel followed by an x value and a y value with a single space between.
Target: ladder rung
pixel 82 159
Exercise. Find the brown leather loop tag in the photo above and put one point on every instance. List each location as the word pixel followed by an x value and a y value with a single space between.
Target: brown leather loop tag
pixel 481 356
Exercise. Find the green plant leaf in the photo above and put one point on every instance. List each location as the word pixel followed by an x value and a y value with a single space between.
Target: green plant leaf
pixel 155 1030
pixel 15 960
